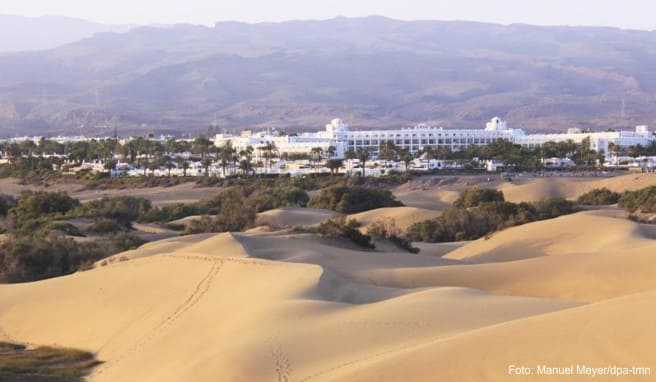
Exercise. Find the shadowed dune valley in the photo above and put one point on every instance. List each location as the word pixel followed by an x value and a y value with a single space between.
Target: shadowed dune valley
pixel 283 302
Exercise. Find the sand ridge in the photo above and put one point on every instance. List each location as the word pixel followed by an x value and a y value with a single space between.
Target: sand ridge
pixel 277 305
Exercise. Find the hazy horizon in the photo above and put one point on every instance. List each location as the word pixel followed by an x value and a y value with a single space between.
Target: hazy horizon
pixel 633 14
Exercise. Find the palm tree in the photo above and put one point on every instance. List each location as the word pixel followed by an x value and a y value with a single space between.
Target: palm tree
pixel 228 156
pixel 360 154
pixel 334 165
pixel 316 154
pixel 246 162
pixel 269 151
pixel 331 151
pixel 388 151
pixel 184 164
pixel 168 162
pixel 202 146
pixel 207 162
pixel 406 157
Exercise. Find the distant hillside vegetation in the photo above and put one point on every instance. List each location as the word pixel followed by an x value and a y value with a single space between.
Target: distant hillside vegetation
pixel 373 72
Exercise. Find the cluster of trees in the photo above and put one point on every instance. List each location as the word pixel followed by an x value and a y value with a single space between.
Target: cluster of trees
pixel 515 156
pixel 149 155
pixel 38 243
pixel 353 199
pixel 633 151
pixel 478 220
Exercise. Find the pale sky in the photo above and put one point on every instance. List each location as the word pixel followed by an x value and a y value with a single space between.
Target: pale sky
pixel 638 14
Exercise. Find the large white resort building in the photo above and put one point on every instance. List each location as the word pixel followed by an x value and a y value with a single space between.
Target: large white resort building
pixel 338 135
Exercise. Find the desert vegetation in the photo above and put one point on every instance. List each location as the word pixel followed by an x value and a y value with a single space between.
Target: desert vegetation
pixel 387 230
pixel 353 199
pixel 342 228
pixel 44 364
pixel 599 197
pixel 482 218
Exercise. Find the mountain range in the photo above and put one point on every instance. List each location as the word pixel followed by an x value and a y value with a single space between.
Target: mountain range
pixel 372 72
pixel 22 33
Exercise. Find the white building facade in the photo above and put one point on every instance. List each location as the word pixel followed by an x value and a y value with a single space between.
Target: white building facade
pixel 341 139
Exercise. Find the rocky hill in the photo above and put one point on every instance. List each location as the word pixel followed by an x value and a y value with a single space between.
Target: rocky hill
pixel 373 72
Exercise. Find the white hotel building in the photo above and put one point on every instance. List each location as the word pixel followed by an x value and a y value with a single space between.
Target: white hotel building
pixel 338 135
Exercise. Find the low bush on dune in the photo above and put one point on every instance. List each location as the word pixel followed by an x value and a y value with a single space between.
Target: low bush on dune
pixel 278 197
pixel 474 197
pixel 33 209
pixel 7 202
pixel 353 199
pixel 122 209
pixel 232 213
pixel 459 224
pixel 341 228
pixel 172 212
pixel 599 197
pixel 31 258
pixel 106 227
pixel 387 230
pixel 643 200
pixel 63 228
pixel 44 364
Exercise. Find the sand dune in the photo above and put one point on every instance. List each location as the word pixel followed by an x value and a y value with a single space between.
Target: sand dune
pixel 572 188
pixel 282 306
pixel 439 192
pixel 218 315
pixel 610 333
pixel 291 217
pixel 403 217
pixel 564 258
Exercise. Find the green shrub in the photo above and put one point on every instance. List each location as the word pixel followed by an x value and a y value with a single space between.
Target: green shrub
pixel 44 364
pixel 106 227
pixel 33 208
pixel 458 224
pixel 172 212
pixel 123 209
pixel 474 197
pixel 7 202
pixel 340 228
pixel 233 214
pixel 63 227
pixel 40 256
pixel 353 199
pixel 643 200
pixel 278 197
pixel 387 230
pixel 599 197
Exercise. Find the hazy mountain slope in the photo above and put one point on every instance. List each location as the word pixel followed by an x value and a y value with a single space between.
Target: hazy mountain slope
pixel 371 71
pixel 36 33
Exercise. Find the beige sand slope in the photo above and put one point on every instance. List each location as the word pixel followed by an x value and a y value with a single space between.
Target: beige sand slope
pixel 206 312
pixel 619 332
pixel 276 306
pixel 582 257
pixel 403 217
pixel 291 217
pixel 572 188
